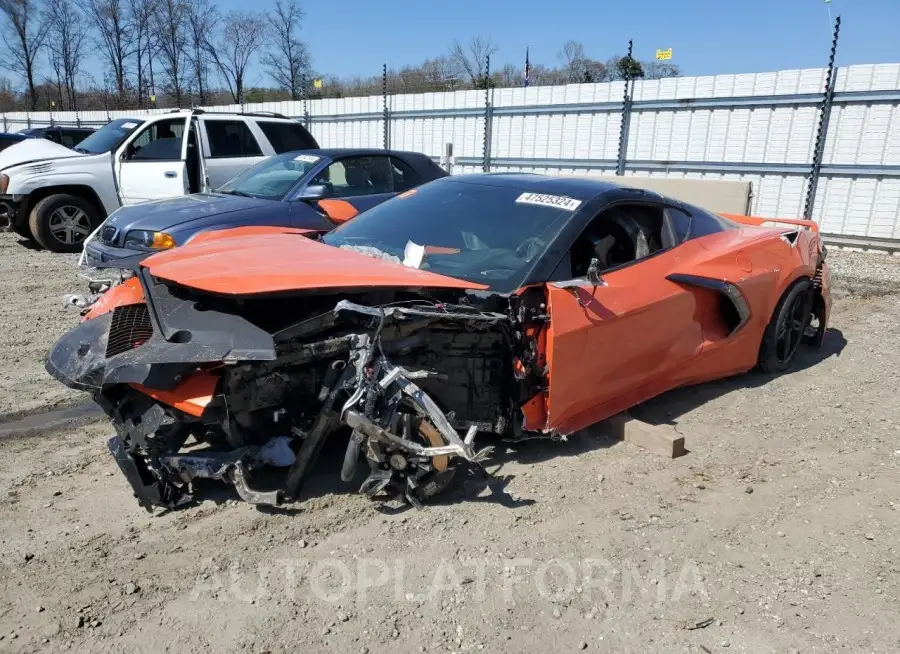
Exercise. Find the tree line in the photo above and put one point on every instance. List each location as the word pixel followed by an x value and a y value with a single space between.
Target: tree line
pixel 186 52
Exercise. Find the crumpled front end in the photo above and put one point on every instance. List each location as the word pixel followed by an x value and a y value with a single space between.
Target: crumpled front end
pixel 204 387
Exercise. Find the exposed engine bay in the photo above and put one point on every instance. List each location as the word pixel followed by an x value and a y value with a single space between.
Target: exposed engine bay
pixel 201 386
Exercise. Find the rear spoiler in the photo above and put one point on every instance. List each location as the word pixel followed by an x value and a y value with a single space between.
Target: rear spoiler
pixel 765 222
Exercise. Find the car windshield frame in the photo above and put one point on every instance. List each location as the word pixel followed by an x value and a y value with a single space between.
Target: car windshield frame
pixel 109 137
pixel 243 184
pixel 474 231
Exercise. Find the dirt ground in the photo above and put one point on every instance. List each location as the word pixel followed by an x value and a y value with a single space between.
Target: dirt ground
pixel 778 531
pixel 32 285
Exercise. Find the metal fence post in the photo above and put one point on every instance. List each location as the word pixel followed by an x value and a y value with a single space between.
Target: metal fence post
pixel 812 185
pixel 304 81
pixel 488 116
pixel 5 125
pixel 386 111
pixel 625 127
pixel 447 158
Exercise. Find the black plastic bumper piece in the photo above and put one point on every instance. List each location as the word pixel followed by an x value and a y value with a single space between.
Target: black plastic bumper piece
pixel 78 358
pixel 146 490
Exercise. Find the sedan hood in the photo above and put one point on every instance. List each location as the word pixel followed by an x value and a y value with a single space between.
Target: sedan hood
pixel 162 215
pixel 34 149
pixel 258 260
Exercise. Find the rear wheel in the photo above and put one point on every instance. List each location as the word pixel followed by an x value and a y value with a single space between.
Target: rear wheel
pixel 786 330
pixel 61 222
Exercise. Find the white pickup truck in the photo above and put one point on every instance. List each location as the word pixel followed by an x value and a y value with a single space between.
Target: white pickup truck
pixel 58 196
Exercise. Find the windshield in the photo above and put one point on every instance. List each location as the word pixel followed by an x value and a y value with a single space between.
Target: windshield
pixel 486 234
pixel 108 137
pixel 272 178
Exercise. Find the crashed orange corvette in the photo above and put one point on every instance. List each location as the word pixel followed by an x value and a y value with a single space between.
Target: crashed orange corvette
pixel 505 304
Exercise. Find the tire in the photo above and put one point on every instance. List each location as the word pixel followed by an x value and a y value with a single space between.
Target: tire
pixel 61 222
pixel 785 332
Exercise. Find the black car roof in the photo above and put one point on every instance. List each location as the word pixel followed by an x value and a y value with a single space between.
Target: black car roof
pixel 573 187
pixel 343 152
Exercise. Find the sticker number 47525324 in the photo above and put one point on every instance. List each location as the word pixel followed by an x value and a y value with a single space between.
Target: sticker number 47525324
pixel 544 200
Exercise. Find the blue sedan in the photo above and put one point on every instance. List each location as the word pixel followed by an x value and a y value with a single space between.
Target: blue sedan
pixel 282 191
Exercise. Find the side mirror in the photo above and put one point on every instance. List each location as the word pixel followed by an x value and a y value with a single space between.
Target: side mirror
pixel 593 275
pixel 314 192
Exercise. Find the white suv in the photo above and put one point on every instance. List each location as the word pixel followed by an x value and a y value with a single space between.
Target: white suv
pixel 58 196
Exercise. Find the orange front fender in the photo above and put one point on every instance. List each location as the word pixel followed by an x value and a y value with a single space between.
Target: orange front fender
pixel 120 295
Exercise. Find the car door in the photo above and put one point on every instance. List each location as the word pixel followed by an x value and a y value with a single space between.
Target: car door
pixel 613 344
pixel 362 180
pixel 230 148
pixel 150 165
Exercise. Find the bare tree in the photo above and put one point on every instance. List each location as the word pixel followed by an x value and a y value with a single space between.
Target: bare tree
pixel 67 39
pixel 288 61
pixel 471 60
pixel 170 22
pixel 144 45
pixel 23 34
pixel 578 68
pixel 112 21
pixel 202 20
pixel 659 70
pixel 441 73
pixel 241 36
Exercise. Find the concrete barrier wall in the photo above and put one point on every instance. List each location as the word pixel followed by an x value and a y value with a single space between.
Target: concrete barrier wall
pixel 718 196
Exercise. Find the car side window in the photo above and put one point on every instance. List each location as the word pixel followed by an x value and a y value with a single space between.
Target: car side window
pixel 618 236
pixel 404 177
pixel 159 141
pixel 678 223
pixel 286 136
pixel 230 138
pixel 354 176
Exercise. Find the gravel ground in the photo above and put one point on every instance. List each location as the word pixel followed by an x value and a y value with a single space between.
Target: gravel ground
pixel 32 285
pixel 777 532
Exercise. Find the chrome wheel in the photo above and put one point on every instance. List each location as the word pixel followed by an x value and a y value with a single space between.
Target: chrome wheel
pixel 69 225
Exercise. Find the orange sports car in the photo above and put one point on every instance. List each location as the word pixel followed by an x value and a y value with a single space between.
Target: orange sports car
pixel 505 304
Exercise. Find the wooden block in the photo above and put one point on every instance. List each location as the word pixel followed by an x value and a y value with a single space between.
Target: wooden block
pixel 659 439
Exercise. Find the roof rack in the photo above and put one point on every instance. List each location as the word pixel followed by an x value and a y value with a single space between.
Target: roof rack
pixel 197 112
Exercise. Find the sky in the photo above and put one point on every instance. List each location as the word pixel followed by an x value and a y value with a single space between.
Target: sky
pixel 354 37
pixel 707 37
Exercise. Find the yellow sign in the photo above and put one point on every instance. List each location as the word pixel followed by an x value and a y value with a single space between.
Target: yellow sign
pixel 152 98
pixel 317 83
pixel 664 55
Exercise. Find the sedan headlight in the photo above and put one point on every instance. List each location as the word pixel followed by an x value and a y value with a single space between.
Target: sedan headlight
pixel 146 240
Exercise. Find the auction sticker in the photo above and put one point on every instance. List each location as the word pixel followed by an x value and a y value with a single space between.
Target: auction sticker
pixel 306 158
pixel 544 200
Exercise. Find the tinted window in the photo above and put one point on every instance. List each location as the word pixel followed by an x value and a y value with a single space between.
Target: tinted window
pixel 72 137
pixel 286 136
pixel 161 141
pixel 353 176
pixel 470 231
pixel 272 178
pixel 680 223
pixel 404 176
pixel 708 223
pixel 110 136
pixel 230 138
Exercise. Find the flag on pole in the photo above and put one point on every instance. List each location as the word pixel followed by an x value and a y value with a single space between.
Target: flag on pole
pixel 527 68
